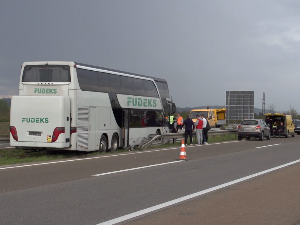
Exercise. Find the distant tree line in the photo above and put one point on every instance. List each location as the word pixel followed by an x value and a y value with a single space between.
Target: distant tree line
pixel 291 111
pixel 4 111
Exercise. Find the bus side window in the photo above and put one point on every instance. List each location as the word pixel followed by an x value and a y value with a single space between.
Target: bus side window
pixel 115 84
pixel 150 90
pixel 138 87
pixel 104 84
pixel 126 85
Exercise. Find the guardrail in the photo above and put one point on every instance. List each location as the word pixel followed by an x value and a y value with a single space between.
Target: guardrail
pixel 181 135
pixel 4 138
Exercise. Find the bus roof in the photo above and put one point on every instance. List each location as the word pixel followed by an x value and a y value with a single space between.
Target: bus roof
pixel 119 71
pixel 91 66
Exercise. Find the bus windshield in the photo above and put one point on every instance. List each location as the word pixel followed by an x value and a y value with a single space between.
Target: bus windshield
pixel 46 73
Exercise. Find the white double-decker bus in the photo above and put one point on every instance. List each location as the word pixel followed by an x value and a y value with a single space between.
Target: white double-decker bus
pixel 73 106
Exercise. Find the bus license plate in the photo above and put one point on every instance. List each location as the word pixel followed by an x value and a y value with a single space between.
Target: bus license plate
pixel 35 133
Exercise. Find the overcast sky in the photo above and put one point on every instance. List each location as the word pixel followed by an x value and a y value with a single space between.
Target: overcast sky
pixel 202 48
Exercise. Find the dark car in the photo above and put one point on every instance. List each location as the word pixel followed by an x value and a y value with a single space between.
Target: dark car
pixel 253 128
pixel 297 126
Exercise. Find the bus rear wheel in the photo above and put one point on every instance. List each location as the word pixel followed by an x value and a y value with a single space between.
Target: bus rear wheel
pixel 103 144
pixel 114 143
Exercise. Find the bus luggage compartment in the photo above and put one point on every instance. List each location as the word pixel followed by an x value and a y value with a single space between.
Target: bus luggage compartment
pixel 40 121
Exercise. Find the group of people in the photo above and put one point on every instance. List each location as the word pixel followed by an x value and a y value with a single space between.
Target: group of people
pixel 276 127
pixel 201 126
pixel 176 123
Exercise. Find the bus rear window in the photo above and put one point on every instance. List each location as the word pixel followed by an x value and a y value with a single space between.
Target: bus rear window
pixel 46 73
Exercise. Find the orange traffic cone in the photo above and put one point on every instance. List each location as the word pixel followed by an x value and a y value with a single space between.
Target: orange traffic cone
pixel 182 155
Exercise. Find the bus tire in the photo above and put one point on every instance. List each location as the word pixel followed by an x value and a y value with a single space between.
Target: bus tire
pixel 103 144
pixel 114 142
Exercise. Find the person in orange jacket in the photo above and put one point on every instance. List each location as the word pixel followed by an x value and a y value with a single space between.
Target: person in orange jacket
pixel 179 121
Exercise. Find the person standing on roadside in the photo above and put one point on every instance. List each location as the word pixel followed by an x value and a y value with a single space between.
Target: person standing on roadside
pixel 269 122
pixel 199 129
pixel 189 127
pixel 175 126
pixel 204 139
pixel 171 123
pixel 179 122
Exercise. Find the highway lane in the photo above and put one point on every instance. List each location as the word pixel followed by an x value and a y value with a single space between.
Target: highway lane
pixel 67 193
pixel 270 199
pixel 40 174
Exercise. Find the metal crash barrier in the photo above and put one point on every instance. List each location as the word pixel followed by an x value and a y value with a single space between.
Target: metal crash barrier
pixel 162 139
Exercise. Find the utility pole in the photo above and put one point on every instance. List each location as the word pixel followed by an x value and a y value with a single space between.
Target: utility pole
pixel 263 107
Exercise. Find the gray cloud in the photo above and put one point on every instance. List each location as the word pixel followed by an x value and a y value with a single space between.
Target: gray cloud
pixel 202 48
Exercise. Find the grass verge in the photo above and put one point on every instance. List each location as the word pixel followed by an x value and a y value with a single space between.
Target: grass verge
pixel 17 156
pixel 4 129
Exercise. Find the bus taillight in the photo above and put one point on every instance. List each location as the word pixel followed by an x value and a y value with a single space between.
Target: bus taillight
pixel 14 133
pixel 73 130
pixel 57 131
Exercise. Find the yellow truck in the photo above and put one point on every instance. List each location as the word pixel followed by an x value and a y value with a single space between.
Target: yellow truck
pixel 215 117
pixel 274 119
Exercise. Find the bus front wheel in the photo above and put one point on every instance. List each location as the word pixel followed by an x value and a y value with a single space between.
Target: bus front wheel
pixel 103 144
pixel 114 143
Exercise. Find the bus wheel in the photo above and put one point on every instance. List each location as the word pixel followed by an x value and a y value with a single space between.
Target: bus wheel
pixel 103 144
pixel 114 142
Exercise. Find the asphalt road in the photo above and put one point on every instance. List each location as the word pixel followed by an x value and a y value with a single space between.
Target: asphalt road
pixel 153 187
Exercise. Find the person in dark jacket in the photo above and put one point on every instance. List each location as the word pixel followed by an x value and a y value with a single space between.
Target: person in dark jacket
pixel 189 127
pixel 280 129
pixel 269 122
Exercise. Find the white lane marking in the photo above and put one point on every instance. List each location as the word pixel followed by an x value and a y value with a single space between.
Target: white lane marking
pixel 73 160
pixel 98 157
pixel 194 195
pixel 267 146
pixel 137 168
pixel 217 143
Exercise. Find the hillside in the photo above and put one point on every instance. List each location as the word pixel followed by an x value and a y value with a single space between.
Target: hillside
pixel 188 109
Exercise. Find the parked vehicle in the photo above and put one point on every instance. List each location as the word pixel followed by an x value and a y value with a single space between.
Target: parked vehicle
pixel 216 117
pixel 78 107
pixel 297 126
pixel 275 119
pixel 256 128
